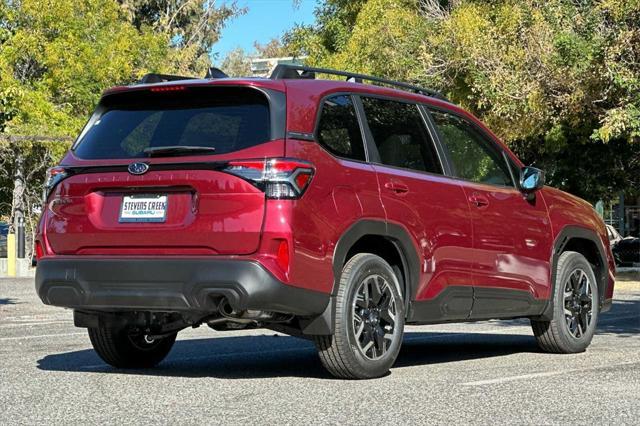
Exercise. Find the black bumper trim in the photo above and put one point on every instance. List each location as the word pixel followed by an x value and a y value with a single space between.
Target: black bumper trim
pixel 189 284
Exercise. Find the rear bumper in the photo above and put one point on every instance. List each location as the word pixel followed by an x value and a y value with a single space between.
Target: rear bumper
pixel 175 284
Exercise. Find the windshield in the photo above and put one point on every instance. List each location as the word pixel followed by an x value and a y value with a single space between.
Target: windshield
pixel 224 119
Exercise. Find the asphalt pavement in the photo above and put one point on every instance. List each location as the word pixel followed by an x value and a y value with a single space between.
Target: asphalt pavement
pixel 475 373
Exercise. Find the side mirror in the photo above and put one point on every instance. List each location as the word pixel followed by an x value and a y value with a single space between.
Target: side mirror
pixel 531 180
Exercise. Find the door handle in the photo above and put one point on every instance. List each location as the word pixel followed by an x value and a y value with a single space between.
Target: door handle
pixel 397 187
pixel 479 200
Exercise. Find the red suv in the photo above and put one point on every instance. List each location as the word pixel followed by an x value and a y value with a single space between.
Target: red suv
pixel 333 210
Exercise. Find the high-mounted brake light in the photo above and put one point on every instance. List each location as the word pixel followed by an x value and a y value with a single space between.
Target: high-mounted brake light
pixel 279 178
pixel 167 88
pixel 54 176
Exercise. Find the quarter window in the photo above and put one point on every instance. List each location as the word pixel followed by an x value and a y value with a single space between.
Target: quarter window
pixel 339 130
pixel 473 156
pixel 400 135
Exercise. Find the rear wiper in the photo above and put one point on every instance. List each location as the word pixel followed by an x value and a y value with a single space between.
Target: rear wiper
pixel 177 150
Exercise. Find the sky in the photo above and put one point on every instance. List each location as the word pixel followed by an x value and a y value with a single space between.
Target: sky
pixel 264 20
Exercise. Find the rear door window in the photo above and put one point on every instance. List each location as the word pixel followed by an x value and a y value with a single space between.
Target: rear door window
pixel 227 119
pixel 338 129
pixel 400 135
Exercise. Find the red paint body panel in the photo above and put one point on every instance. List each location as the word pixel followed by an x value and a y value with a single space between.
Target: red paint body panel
pixel 507 244
pixel 512 240
pixel 341 193
pixel 568 210
pixel 435 212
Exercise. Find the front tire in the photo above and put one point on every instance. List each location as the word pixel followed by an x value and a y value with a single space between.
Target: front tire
pixel 575 308
pixel 369 321
pixel 123 349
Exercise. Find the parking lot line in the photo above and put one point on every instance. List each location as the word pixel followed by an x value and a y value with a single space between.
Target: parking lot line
pixel 40 336
pixel 543 374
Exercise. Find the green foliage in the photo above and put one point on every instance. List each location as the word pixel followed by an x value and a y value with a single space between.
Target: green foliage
pixel 191 26
pixel 59 57
pixel 554 79
pixel 236 63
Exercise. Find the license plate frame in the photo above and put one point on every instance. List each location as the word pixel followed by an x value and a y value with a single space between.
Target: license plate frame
pixel 143 213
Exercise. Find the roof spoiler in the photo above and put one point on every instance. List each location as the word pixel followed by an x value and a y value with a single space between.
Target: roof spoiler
pixel 153 78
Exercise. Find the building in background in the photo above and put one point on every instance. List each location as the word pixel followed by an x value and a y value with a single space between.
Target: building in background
pixel 261 67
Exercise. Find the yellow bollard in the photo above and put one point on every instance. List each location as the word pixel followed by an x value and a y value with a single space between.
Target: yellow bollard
pixel 11 255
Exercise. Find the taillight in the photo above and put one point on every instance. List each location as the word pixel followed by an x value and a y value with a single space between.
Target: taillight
pixel 54 176
pixel 279 178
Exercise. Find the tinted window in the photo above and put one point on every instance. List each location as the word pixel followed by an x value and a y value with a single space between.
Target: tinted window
pixel 400 135
pixel 223 118
pixel 474 158
pixel 338 129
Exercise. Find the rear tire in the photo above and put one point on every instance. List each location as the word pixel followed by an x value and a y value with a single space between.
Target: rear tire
pixel 122 349
pixel 369 321
pixel 575 308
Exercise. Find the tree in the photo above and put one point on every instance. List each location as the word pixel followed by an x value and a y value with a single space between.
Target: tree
pixel 55 61
pixel 192 26
pixel 272 49
pixel 557 80
pixel 237 63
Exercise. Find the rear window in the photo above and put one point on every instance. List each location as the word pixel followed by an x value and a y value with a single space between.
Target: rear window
pixel 125 124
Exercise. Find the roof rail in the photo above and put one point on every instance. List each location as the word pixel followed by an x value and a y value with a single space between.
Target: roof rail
pixel 291 71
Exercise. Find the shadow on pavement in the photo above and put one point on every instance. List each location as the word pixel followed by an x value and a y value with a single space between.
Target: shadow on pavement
pixel 283 356
pixel 7 301
pixel 623 319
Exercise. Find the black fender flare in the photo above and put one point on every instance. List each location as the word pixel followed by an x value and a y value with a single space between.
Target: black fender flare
pixel 562 239
pixel 398 236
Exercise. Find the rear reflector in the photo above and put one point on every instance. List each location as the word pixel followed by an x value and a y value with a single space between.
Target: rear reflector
pixel 282 258
pixel 39 250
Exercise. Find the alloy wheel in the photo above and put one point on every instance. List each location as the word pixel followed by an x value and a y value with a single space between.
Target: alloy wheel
pixel 578 303
pixel 374 316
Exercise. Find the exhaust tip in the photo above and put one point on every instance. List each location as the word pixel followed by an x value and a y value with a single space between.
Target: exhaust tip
pixel 225 308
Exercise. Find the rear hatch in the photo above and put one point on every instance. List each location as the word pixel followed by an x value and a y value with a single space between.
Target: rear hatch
pixel 149 175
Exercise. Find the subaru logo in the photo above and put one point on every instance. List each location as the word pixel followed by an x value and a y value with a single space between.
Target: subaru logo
pixel 138 168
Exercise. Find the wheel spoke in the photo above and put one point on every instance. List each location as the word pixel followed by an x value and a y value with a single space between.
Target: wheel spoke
pixel 388 317
pixel 367 346
pixel 360 330
pixel 385 300
pixel 584 320
pixel 366 294
pixel 573 281
pixel 378 335
pixel 376 293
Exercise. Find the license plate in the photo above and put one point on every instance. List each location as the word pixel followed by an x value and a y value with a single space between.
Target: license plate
pixel 143 208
